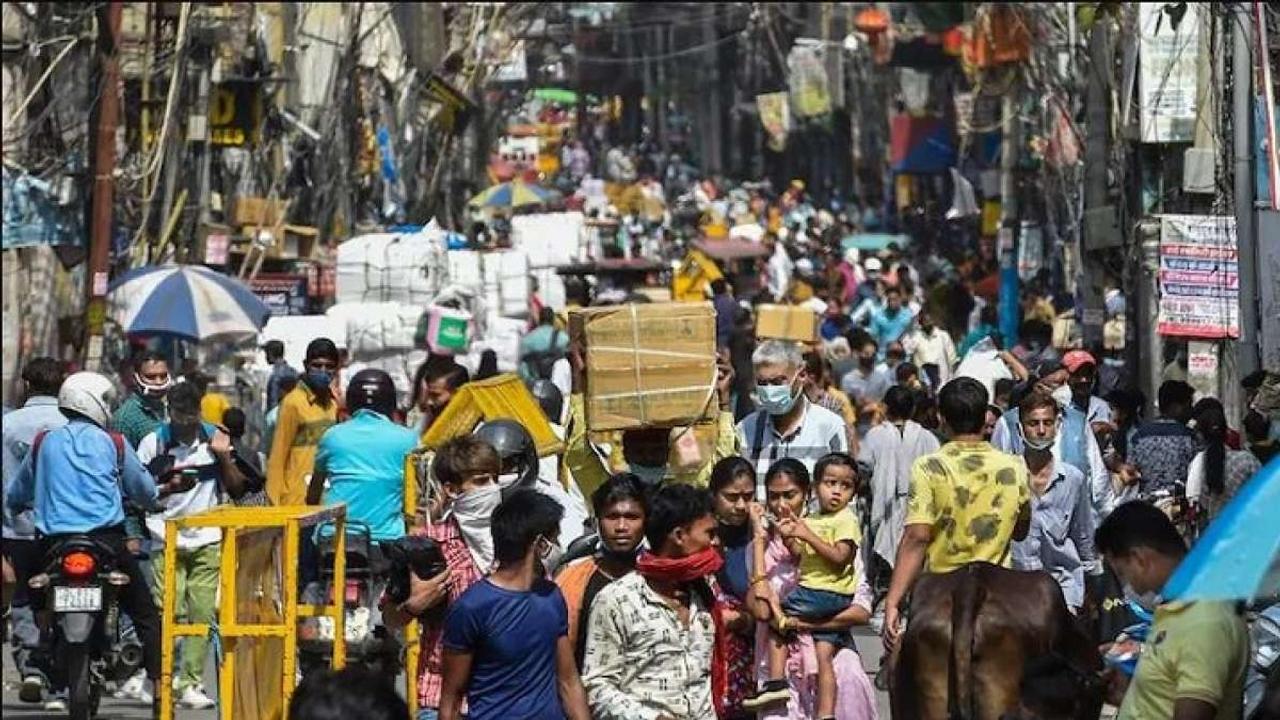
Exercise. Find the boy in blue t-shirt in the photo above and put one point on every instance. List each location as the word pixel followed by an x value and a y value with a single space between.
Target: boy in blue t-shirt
pixel 506 641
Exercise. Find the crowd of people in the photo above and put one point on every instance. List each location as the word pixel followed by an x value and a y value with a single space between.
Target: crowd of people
pixel 633 577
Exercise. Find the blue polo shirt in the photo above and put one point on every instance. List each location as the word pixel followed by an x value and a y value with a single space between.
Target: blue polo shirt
pixel 364 461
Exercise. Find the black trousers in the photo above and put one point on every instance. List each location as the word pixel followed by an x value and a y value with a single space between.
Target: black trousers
pixel 134 598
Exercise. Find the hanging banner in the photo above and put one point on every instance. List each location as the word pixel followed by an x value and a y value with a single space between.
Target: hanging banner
pixel 775 116
pixel 1167 79
pixel 808 82
pixel 1199 277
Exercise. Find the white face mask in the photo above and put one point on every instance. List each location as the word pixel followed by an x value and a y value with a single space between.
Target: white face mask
pixel 550 554
pixel 507 480
pixel 1148 600
pixel 1039 444
pixel 1062 396
pixel 473 512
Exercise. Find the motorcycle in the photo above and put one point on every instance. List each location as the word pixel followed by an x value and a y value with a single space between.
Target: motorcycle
pixel 81 621
pixel 369 642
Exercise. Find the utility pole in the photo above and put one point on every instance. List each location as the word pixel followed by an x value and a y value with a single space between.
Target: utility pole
pixel 1242 152
pixel 104 165
pixel 1097 104
pixel 1009 221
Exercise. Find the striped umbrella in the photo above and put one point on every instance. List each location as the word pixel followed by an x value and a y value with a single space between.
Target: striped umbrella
pixel 190 302
pixel 513 194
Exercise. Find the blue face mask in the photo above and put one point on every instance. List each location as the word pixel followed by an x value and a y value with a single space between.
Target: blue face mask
pixel 777 399
pixel 317 380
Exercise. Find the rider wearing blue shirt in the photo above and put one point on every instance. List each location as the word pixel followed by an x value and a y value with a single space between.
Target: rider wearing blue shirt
pixel 76 481
pixel 363 458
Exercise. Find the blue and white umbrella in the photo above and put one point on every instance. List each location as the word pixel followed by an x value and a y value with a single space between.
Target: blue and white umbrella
pixel 190 302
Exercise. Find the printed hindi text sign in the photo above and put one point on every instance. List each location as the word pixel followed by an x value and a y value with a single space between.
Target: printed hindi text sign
pixel 1199 277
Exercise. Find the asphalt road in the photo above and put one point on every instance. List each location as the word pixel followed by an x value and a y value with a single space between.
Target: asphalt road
pixel 14 709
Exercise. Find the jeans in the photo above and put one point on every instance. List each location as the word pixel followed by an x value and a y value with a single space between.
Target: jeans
pixel 817 605
pixel 134 598
pixel 197 595
pixel 24 556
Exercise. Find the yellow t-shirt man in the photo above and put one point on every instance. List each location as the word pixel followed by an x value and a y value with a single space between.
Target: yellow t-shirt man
pixel 970 493
pixel 816 573
pixel 1196 651
pixel 301 422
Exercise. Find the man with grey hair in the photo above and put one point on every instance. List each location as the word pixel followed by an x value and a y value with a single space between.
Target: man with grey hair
pixel 787 425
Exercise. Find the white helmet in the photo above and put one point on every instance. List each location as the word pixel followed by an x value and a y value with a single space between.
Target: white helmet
pixel 89 394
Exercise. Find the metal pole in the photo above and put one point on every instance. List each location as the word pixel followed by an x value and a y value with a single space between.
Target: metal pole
pixel 1148 306
pixel 104 164
pixel 1243 148
pixel 1098 104
pixel 1009 223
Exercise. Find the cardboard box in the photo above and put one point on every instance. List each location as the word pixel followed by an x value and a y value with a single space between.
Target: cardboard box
pixel 258 211
pixel 647 365
pixel 787 322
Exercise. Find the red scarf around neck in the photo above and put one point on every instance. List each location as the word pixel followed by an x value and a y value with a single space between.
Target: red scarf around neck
pixel 690 568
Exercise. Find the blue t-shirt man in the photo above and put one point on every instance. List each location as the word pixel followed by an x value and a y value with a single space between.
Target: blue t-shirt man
pixel 512 639
pixel 363 458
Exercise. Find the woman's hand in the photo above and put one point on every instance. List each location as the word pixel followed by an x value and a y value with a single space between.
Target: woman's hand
pixel 759 524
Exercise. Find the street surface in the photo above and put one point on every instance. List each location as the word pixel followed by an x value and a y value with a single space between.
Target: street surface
pixel 14 709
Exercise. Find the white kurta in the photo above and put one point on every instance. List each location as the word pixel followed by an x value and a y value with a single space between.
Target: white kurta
pixel 890 452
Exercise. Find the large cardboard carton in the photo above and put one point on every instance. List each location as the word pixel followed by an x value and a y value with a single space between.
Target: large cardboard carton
pixel 647 365
pixel 786 322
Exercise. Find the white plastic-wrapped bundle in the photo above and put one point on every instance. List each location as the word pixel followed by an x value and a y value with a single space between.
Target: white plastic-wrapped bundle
pixel 376 327
pixel 501 277
pixel 391 267
pixel 549 239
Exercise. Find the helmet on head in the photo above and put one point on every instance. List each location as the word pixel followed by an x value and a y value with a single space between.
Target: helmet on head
pixel 515 449
pixel 549 397
pixel 371 389
pixel 88 394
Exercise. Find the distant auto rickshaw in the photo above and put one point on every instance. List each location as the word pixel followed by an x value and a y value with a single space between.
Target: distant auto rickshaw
pixel 622 277
pixel 710 260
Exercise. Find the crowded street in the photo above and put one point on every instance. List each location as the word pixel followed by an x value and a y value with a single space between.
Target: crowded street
pixel 641 361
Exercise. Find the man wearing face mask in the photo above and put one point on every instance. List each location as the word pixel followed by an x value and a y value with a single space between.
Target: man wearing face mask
pixel 506 644
pixel 866 381
pixel 931 346
pixel 522 468
pixel 464 473
pixel 1193 663
pixel 144 410
pixel 620 509
pixel 787 425
pixel 645 452
pixel 1074 445
pixel 1060 541
pixel 305 414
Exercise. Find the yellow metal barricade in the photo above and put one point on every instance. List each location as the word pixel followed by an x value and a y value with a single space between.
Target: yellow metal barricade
pixel 258 609
pixel 414 464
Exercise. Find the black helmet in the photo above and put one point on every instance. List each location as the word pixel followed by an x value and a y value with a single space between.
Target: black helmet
pixel 371 389
pixel 550 399
pixel 515 448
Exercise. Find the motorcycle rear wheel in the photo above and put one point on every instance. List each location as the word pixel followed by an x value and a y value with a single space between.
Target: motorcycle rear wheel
pixel 82 700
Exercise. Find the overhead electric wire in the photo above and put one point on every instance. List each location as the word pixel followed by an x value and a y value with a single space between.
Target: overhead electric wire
pixel 607 60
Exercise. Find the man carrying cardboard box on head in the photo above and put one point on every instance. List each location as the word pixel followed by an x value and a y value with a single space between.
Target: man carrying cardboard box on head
pixel 787 425
pixel 614 384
